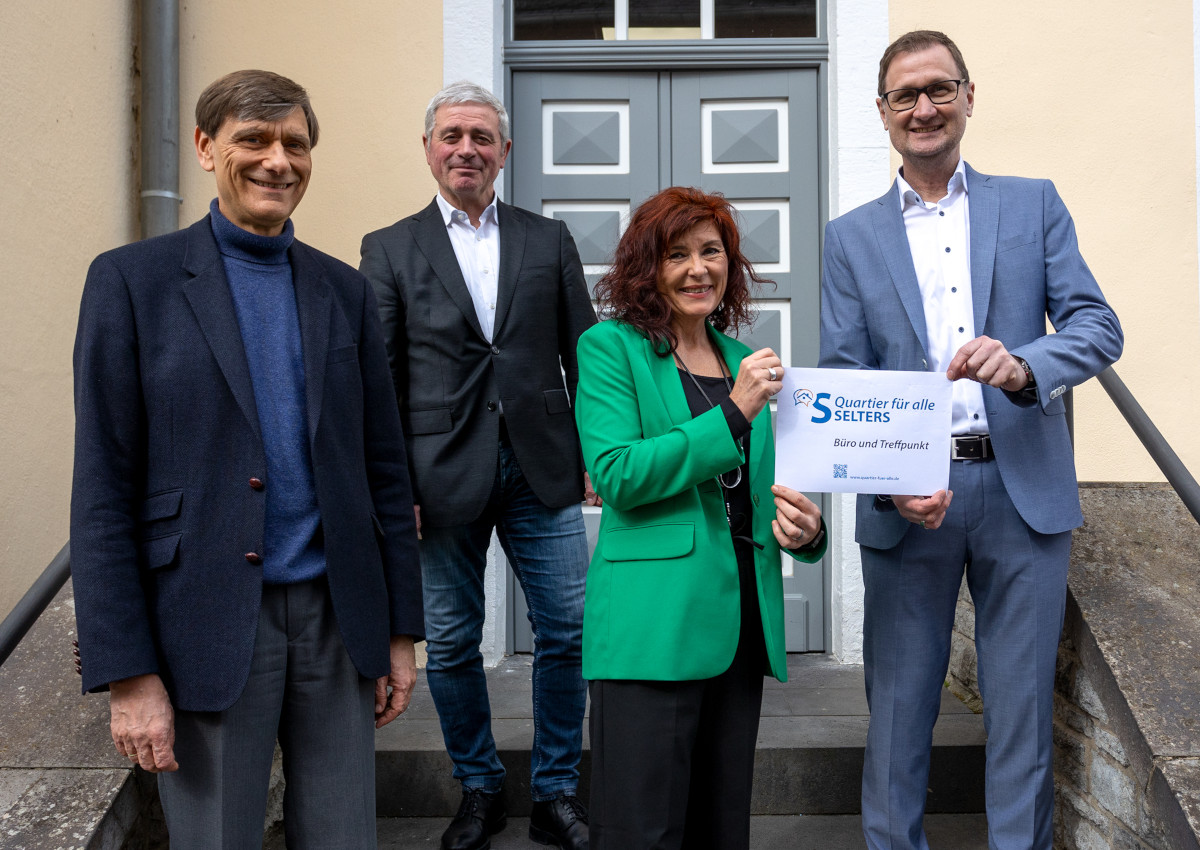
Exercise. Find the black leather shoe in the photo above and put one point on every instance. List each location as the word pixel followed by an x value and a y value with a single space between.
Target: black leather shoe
pixel 561 822
pixel 480 816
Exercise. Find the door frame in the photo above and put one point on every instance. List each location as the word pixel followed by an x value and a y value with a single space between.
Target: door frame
pixel 708 55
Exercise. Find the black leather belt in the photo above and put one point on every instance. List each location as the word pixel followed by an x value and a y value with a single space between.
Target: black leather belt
pixel 971 447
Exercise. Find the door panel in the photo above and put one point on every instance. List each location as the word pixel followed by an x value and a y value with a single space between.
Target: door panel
pixel 586 152
pixel 589 147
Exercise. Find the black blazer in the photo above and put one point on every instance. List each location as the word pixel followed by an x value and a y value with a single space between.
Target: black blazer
pixel 164 515
pixel 451 382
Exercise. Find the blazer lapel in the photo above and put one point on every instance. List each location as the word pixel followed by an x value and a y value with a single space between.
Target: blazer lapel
pixel 983 201
pixel 434 242
pixel 210 299
pixel 512 255
pixel 670 388
pixel 893 245
pixel 313 304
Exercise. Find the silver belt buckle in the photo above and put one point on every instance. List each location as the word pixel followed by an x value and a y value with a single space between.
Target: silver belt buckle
pixel 979 441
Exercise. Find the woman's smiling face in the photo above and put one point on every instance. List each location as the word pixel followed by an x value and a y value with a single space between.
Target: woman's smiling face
pixel 692 275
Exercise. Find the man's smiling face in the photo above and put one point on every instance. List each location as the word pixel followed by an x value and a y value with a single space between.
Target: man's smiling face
pixel 262 169
pixel 465 153
pixel 928 130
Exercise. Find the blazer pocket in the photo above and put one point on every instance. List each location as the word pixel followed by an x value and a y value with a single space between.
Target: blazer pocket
pixel 160 528
pixel 650 542
pixel 436 421
pixel 1016 241
pixel 557 401
pixel 164 505
pixel 161 552
pixel 342 354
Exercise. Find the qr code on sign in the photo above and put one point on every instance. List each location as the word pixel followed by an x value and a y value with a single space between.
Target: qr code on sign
pixel 839 470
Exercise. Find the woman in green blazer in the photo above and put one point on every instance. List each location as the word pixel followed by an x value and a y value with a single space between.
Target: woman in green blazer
pixel 684 609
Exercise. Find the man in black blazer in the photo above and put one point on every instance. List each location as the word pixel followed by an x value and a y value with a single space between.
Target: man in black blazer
pixel 482 304
pixel 242 537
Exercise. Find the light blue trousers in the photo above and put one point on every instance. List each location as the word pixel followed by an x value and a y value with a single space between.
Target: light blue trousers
pixel 1018 582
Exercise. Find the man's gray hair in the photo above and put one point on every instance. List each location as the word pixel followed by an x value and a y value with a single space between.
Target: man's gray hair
pixel 465 91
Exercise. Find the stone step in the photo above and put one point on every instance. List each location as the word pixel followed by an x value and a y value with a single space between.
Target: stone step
pixel 767 832
pixel 809 760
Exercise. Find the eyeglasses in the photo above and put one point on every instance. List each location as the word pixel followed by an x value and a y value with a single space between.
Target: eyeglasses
pixel 943 91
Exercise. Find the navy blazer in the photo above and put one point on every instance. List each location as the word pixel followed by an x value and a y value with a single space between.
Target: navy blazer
pixel 1025 267
pixel 165 517
pixel 452 382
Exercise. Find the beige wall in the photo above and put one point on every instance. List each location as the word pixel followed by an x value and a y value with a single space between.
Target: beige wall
pixel 68 193
pixel 1060 93
pixel 369 66
pixel 1124 164
pixel 70 187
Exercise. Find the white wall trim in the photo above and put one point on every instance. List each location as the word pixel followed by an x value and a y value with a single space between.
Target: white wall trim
pixel 1196 104
pixel 473 49
pixel 859 170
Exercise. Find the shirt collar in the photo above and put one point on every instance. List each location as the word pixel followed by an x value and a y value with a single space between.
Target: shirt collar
pixel 957 183
pixel 448 211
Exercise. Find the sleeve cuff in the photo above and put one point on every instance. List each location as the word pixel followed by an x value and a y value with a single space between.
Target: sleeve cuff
pixel 739 426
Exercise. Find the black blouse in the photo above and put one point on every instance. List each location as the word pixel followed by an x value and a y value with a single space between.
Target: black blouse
pixel 739 507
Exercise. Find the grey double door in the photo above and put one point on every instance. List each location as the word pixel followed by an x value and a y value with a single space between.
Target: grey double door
pixel 589 147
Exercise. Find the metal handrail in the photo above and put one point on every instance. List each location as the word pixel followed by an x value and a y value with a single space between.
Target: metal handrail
pixel 1168 462
pixel 34 602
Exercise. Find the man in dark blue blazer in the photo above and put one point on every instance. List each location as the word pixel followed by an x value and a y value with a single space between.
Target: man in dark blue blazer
pixel 242 535
pixel 482 304
pixel 957 271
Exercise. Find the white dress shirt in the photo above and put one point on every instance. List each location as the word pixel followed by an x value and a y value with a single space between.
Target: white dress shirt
pixel 478 253
pixel 939 239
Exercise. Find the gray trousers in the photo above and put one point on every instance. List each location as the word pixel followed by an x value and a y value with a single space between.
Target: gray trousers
pixel 303 689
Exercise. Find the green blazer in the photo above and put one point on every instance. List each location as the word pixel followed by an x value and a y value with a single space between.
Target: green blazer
pixel 662 589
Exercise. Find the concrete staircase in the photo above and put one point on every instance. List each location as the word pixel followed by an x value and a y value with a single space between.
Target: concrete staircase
pixel 808 769
pixel 60 775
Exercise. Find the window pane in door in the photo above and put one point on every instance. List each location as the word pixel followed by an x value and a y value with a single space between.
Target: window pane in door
pixel 560 20
pixel 664 19
pixel 766 18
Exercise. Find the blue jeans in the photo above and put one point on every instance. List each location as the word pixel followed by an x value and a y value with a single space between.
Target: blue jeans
pixel 547 548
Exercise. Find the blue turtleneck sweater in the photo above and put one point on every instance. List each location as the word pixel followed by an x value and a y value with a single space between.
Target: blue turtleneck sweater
pixel 260 279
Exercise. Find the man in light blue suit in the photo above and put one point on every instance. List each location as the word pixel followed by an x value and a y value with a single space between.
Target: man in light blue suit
pixel 957 271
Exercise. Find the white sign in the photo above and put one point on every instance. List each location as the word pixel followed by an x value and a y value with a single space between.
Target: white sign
pixel 863 431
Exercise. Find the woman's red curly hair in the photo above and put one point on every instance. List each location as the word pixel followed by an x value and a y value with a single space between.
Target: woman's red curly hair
pixel 629 291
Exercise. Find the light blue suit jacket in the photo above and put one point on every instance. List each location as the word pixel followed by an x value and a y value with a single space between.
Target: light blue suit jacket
pixel 1025 267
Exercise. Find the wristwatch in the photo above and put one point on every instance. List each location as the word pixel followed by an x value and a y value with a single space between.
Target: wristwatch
pixel 1031 382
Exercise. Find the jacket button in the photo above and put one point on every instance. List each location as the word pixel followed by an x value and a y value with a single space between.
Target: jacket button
pixel 254 558
pixel 756 500
pixel 491 405
pixel 256 484
pixel 495 350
